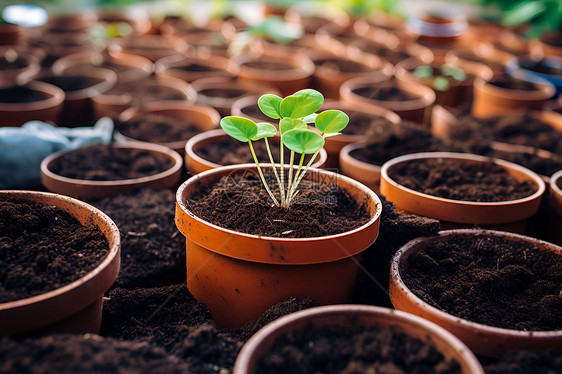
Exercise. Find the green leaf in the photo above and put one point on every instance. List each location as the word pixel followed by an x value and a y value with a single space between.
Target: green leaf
pixel 265 130
pixel 441 83
pixel 452 71
pixel 310 118
pixel 303 141
pixel 242 129
pixel 287 124
pixel 301 104
pixel 423 71
pixel 523 12
pixel 269 105
pixel 331 121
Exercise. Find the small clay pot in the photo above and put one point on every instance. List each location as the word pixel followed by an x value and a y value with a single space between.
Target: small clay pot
pixel 555 204
pixel 354 316
pixel 364 172
pixel 18 76
pixel 490 99
pixel 550 44
pixel 10 34
pixel 153 47
pixel 92 189
pixel 76 307
pixel 248 107
pixel 548 68
pixel 482 339
pixel 48 109
pixel 196 164
pixel 474 57
pixel 506 215
pixel 204 117
pixel 391 44
pixel 178 66
pixel 335 38
pixel 416 110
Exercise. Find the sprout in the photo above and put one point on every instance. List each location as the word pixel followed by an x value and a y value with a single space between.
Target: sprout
pixel 293 113
pixel 442 81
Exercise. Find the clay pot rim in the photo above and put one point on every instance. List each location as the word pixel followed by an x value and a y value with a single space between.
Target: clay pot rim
pixel 219 134
pixel 57 97
pixel 151 147
pixel 469 157
pixel 303 67
pixel 556 193
pixel 112 255
pixel 232 168
pixel 404 69
pixel 19 76
pixel 246 358
pixel 479 327
pixel 227 83
pixel 345 154
pixel 377 64
pixel 545 90
pixel 108 79
pixel 168 64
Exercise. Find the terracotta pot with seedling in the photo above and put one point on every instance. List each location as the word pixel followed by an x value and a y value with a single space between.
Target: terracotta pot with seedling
pixel 257 234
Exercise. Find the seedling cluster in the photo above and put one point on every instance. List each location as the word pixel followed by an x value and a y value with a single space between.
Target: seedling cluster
pixel 294 112
pixel 442 80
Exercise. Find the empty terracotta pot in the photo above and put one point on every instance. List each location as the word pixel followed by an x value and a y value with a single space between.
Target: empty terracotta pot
pixel 190 68
pixel 356 316
pixel 361 171
pixel 73 308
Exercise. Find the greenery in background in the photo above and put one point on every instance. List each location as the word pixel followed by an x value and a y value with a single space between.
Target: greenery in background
pixel 441 82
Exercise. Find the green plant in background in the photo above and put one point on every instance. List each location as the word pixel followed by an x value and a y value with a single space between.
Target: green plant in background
pixel 359 8
pixel 441 81
pixel 293 113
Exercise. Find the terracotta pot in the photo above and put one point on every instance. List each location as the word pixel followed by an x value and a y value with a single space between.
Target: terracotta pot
pixel 231 89
pixel 474 57
pixel 313 15
pixel 79 22
pixel 335 38
pixel 178 66
pixel 153 47
pixel 328 79
pixel 355 316
pixel 235 282
pixel 555 204
pixel 202 116
pixel 248 107
pixel 138 67
pixel 49 109
pixel 482 339
pixel 525 68
pixel 59 44
pixel 21 75
pixel 112 103
pixel 287 81
pixel 76 307
pixel 416 110
pixel 196 164
pixel 550 44
pixel 507 215
pixel 10 34
pixel 380 21
pixel 364 172
pixel 335 144
pixel 390 48
pixel 92 189
pixel 492 100
pixel 459 92
pixel 78 108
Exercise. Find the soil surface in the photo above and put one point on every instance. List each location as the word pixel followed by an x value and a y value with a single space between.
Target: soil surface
pixel 69 83
pixel 458 180
pixel 268 65
pixel 152 249
pixel 494 281
pixel 342 66
pixel 513 84
pixel 224 93
pixel 106 163
pixel 12 64
pixel 337 349
pixel 533 161
pixel 532 362
pixel 360 123
pixel 385 93
pixel 230 151
pixel 144 92
pixel 543 67
pixel 197 67
pixel 157 128
pixel 20 94
pixel 43 248
pixel 392 55
pixel 254 111
pixel 241 203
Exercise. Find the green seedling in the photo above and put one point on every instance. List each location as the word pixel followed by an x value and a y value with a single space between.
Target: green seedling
pixel 294 112
pixel 441 81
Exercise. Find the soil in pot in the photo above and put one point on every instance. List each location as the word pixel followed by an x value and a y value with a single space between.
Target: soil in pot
pixel 540 362
pixel 491 280
pixel 254 111
pixel 43 248
pixel 106 163
pixel 532 160
pixel 342 65
pixel 139 94
pixel 241 203
pixel 513 84
pixel 337 349
pixel 21 94
pixel 544 68
pixel 360 123
pixel 392 55
pixel 225 93
pixel 456 180
pixel 69 83
pixel 385 93
pixel 268 65
pixel 152 250
pixel 157 128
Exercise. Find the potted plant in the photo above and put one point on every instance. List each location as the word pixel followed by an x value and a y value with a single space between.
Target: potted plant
pixel 391 334
pixel 238 269
pixel 487 273
pixel 480 191
pixel 67 295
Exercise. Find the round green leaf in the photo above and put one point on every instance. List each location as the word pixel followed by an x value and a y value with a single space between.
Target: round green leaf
pixel 287 124
pixel 331 121
pixel 301 104
pixel 303 141
pixel 269 105
pixel 265 130
pixel 242 129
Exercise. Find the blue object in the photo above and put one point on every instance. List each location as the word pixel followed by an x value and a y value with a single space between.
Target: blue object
pixel 520 67
pixel 23 148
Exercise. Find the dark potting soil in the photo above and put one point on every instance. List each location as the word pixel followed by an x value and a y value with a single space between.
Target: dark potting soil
pixel 43 248
pixel 532 160
pixel 360 123
pixel 241 203
pixel 392 55
pixel 337 349
pixel 513 84
pixel 69 83
pixel 85 354
pixel 458 180
pixel 12 64
pixel 225 93
pixel 543 67
pixel 145 91
pixel 152 249
pixel 254 111
pixel 523 362
pixel 230 151
pixel 197 67
pixel 490 280
pixel 20 94
pixel 268 65
pixel 157 128
pixel 106 163
pixel 385 93
pixel 342 66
